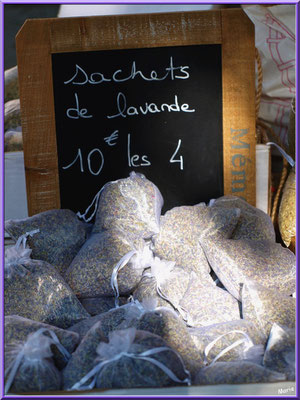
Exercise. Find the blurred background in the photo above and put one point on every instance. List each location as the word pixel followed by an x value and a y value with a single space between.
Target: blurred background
pixel 14 17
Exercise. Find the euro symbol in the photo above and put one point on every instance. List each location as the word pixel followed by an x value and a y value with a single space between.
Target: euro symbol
pixel 110 140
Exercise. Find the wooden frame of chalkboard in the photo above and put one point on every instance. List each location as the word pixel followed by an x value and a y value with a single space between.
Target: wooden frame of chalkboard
pixel 40 39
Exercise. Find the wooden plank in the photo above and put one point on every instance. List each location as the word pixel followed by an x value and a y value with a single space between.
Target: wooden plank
pixel 38 120
pixel 238 71
pixel 135 31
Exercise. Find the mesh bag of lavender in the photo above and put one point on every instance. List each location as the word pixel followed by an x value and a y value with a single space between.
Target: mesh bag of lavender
pixel 59 238
pixel 131 204
pixel 113 251
pixel 208 304
pixel 116 318
pixel 98 305
pixel 263 261
pixel 280 351
pixel 264 307
pixel 164 322
pixel 181 229
pixel 131 358
pixel 29 365
pixel 253 223
pixel 34 289
pixel 18 328
pixel 226 341
pixel 167 283
pixel 236 372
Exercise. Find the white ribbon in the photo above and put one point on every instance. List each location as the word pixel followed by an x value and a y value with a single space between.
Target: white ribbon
pixel 142 356
pixel 133 311
pixel 114 276
pixel 143 260
pixel 138 304
pixel 23 239
pixel 94 202
pixel 228 348
pixel 17 255
pixel 154 274
pixel 60 347
pixel 149 305
pixel 185 315
pixel 284 154
pixel 13 367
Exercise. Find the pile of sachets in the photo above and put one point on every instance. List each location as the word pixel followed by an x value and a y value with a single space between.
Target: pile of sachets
pixel 200 295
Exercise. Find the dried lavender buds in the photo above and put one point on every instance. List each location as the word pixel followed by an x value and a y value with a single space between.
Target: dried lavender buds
pixel 127 357
pixel 205 295
pixel 29 366
pixel 99 305
pixel 211 340
pixel 109 321
pixel 132 204
pixel 280 353
pixel 263 261
pixel 42 295
pixel 253 223
pixel 89 274
pixel 265 306
pixel 181 229
pixel 59 239
pixel 236 372
pixel 173 330
pixel 208 304
pixel 17 328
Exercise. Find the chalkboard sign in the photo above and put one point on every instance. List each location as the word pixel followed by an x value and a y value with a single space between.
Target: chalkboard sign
pixel 168 95
pixel 156 111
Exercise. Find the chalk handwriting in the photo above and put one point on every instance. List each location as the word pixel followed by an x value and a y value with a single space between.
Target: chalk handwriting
pixel 180 160
pixel 81 77
pixel 76 113
pixel 111 140
pixel 97 151
pixel 96 157
pixel 132 160
pixel 79 156
pixel 89 156
pixel 124 111
pixel 92 162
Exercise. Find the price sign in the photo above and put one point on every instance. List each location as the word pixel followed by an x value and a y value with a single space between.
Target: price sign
pixel 167 95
